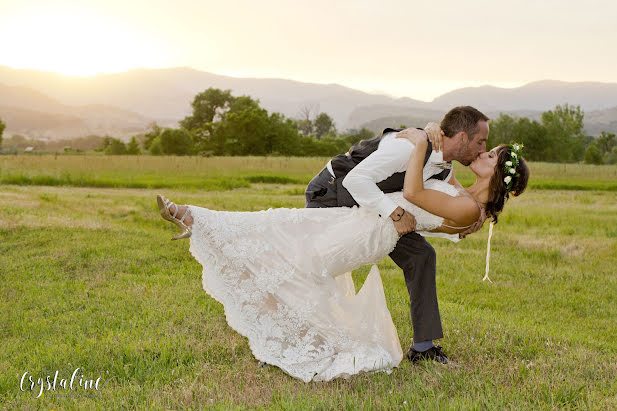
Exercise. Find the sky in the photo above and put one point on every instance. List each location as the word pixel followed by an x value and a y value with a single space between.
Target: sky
pixel 410 48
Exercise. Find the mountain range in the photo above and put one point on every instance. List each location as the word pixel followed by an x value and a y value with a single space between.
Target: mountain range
pixel 41 104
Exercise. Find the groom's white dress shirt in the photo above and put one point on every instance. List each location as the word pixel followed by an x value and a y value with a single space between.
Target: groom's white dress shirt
pixel 392 156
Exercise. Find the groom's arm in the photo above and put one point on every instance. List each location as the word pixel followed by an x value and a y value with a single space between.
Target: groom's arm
pixel 361 182
pixel 475 226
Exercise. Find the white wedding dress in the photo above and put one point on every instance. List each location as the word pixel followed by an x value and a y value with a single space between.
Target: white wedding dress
pixel 284 278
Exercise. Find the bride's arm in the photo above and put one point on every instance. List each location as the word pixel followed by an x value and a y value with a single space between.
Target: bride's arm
pixel 458 209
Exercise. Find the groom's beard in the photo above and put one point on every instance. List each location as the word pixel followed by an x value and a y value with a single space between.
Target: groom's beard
pixel 464 158
pixel 464 155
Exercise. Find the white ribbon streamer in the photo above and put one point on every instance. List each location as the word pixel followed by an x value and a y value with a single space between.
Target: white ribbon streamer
pixel 488 252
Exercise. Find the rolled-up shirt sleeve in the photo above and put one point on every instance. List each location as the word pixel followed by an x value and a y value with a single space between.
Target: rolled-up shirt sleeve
pixel 391 157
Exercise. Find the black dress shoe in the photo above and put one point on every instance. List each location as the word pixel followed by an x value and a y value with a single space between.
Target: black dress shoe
pixel 433 353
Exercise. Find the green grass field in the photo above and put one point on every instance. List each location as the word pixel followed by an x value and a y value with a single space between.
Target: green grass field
pixel 223 173
pixel 90 279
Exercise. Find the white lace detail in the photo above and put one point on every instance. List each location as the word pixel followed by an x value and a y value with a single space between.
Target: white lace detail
pixel 283 277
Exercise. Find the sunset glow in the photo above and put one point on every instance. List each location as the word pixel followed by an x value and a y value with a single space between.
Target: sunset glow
pixel 434 48
pixel 78 42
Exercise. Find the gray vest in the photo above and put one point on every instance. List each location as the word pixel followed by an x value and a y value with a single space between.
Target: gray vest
pixel 343 163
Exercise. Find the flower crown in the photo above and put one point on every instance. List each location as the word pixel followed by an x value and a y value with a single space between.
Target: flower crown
pixel 511 165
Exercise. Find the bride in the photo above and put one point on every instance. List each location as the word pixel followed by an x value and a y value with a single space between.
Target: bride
pixel 284 275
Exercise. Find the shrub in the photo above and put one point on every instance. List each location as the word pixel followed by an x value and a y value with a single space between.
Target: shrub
pixel 593 155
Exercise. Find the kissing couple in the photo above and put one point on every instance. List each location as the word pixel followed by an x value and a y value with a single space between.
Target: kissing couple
pixel 284 275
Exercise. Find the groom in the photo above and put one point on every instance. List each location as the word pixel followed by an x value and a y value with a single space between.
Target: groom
pixel 373 167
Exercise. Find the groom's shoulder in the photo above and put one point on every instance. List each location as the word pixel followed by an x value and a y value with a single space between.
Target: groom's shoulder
pixel 389 141
pixel 390 130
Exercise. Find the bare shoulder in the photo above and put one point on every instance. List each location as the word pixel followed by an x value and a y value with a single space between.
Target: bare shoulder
pixel 469 209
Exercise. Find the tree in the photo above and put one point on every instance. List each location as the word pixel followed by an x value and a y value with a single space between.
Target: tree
pixel 502 131
pixel 252 131
pixel 565 137
pixel 534 137
pixel 323 125
pixel 203 140
pixel 353 136
pixel 242 133
pixel 606 142
pixel 149 137
pixel 282 136
pixel 322 148
pixel 304 123
pixel 2 127
pixel 611 158
pixel 305 127
pixel 238 104
pixel 593 155
pixel 155 148
pixel 114 146
pixel 175 141
pixel 207 105
pixel 104 144
pixel 506 130
pixel 210 123
pixel 133 146
pixel 242 127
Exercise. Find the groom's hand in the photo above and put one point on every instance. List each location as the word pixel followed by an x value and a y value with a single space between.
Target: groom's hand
pixel 404 222
pixel 476 226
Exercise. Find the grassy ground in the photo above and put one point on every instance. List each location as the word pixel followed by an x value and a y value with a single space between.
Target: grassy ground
pixel 89 279
pixel 222 173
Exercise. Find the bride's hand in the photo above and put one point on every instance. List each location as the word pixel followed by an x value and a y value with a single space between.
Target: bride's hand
pixel 414 135
pixel 435 135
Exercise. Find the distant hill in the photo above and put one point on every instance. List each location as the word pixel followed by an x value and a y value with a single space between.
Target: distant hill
pixel 33 114
pixel 419 118
pixel 168 93
pixel 539 95
pixel 594 122
pixel 124 103
pixel 37 124
pixel 598 100
pixel 601 120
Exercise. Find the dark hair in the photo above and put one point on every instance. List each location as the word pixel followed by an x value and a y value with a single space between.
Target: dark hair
pixel 498 192
pixel 462 118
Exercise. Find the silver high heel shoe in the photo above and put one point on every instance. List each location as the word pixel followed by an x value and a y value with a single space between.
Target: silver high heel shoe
pixel 164 207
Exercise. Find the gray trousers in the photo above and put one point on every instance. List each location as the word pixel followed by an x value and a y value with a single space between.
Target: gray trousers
pixel 413 254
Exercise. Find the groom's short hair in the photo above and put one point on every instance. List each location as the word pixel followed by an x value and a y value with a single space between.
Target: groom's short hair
pixel 462 118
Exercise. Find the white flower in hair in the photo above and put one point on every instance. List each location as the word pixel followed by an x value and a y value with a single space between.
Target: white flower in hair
pixel 507 179
pixel 516 147
pixel 509 163
pixel 513 154
pixel 512 171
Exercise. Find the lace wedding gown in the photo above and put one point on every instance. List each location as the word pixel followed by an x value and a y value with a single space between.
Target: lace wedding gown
pixel 284 279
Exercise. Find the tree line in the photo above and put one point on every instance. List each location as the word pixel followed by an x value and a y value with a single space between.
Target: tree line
pixel 558 137
pixel 17 142
pixel 222 124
